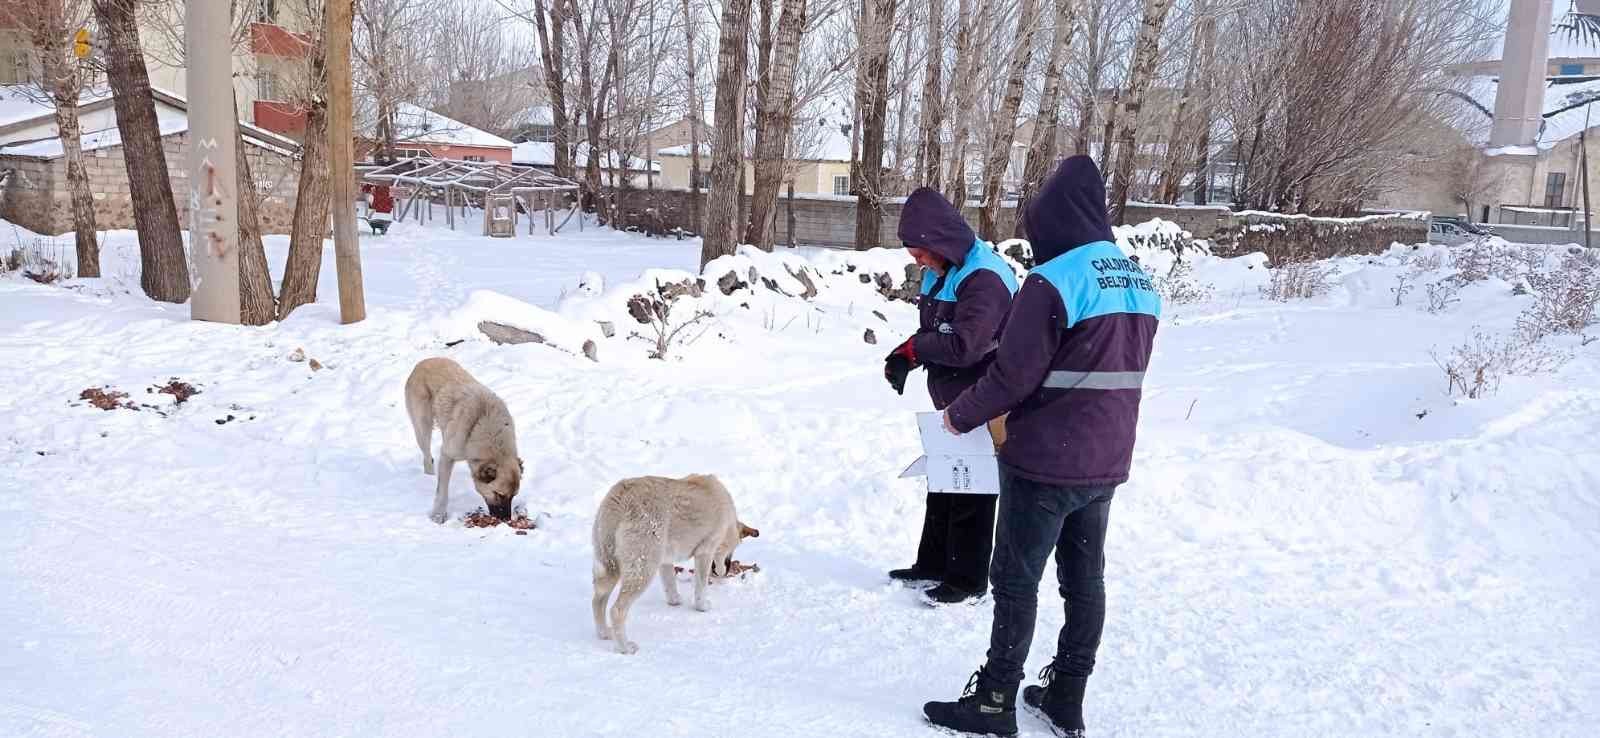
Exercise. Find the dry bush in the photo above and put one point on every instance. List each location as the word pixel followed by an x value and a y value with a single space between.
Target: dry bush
pixel 1298 279
pixel 1442 293
pixel 41 261
pixel 1566 298
pixel 1179 286
pixel 1474 369
pixel 1402 287
pixel 1423 264
pixel 656 312
pixel 1485 258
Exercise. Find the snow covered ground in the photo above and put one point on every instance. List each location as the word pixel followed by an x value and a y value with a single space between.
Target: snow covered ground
pixel 1317 541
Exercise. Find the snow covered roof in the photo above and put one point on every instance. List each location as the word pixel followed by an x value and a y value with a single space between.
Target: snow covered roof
pixel 35 136
pixel 543 154
pixel 416 124
pixel 1563 45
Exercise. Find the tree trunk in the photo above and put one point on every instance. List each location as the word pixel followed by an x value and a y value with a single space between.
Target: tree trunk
pixel 1179 154
pixel 727 155
pixel 874 107
pixel 965 83
pixel 1208 102
pixel 928 159
pixel 310 215
pixel 1144 67
pixel 896 184
pixel 256 303
pixel 774 121
pixel 1004 134
pixel 65 87
pixel 694 121
pixel 1093 55
pixel 592 104
pixel 164 270
pixel 1042 149
pixel 552 60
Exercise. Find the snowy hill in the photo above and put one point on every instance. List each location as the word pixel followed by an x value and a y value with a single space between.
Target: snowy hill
pixel 1317 540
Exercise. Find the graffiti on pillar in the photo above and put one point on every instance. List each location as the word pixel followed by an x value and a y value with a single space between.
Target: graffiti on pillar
pixel 206 199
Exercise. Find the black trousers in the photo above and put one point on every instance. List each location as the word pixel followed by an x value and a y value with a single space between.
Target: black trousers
pixel 957 538
pixel 1034 519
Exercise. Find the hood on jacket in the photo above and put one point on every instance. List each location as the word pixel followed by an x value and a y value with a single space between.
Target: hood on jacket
pixel 1069 211
pixel 928 221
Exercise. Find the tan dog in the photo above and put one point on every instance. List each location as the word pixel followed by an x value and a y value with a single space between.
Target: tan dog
pixel 647 523
pixel 474 426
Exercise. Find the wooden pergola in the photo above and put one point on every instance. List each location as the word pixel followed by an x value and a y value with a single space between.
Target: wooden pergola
pixel 500 188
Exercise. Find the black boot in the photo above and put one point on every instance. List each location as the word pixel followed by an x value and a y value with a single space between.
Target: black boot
pixel 914 575
pixel 985 708
pixel 1059 703
pixel 945 594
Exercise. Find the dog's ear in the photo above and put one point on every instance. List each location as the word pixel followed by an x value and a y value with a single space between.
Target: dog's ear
pixel 487 473
pixel 746 531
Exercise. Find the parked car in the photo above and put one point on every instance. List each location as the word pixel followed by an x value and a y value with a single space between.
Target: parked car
pixel 1447 233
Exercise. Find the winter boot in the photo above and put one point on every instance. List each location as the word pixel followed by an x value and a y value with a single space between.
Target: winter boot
pixel 985 708
pixel 913 575
pixel 944 594
pixel 1059 702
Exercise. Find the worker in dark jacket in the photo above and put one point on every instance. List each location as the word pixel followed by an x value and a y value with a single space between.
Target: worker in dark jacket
pixel 1069 371
pixel 966 293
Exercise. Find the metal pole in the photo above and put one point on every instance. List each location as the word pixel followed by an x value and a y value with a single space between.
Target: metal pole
pixel 1583 147
pixel 213 202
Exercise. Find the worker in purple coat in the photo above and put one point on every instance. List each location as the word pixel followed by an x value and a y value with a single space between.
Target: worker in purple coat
pixel 966 293
pixel 1069 371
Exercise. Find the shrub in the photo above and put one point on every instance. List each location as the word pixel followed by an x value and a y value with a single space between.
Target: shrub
pixel 1298 279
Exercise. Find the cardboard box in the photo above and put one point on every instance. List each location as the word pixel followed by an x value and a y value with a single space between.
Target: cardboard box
pixel 964 464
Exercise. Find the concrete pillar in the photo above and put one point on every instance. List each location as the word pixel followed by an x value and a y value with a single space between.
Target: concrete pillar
pixel 1523 62
pixel 213 202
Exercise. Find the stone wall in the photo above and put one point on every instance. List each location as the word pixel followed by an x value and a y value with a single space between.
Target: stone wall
pixel 824 220
pixel 37 197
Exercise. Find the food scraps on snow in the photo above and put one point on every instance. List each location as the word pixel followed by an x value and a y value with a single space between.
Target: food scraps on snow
pixel 734 569
pixel 481 519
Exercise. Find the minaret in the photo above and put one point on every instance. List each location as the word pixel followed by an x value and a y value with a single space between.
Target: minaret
pixel 1523 64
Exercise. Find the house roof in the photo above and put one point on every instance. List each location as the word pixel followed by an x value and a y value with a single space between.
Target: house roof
pixel 543 154
pixel 1563 45
pixel 416 124
pixel 35 136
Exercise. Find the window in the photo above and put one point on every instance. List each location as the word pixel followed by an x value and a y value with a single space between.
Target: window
pixel 1571 70
pixel 267 86
pixel 472 158
pixel 16 67
pixel 841 184
pixel 1555 185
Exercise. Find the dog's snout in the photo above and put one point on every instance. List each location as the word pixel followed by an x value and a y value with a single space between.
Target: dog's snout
pixel 501 512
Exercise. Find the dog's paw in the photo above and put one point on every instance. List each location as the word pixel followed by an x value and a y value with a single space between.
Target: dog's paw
pixel 427 469
pixel 674 601
pixel 627 648
pixel 702 605
pixel 438 516
pixel 603 633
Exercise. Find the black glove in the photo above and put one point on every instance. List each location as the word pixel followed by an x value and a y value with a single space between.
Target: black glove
pixel 895 369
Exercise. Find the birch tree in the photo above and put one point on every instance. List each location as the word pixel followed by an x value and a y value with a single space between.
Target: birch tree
pixel 1046 125
pixel 728 149
pixel 928 148
pixel 872 99
pixel 1004 123
pixel 774 121
pixel 1139 77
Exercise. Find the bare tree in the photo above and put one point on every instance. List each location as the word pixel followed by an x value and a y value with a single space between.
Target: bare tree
pixel 774 121
pixel 970 14
pixel 1004 125
pixel 928 162
pixel 1144 63
pixel 591 96
pixel 1042 147
pixel 164 272
pixel 552 55
pixel 478 71
pixel 1208 103
pixel 872 98
pixel 50 27
pixel 390 54
pixel 728 152
pixel 690 22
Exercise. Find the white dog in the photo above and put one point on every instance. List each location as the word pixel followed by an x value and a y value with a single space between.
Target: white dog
pixel 647 523
pixel 475 427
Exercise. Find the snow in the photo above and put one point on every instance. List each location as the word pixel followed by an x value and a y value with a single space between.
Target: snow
pixel 38 137
pixel 419 124
pixel 1512 151
pixel 1316 540
pixel 543 154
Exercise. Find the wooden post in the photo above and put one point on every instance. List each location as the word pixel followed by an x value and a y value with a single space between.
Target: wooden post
pixel 213 202
pixel 340 16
